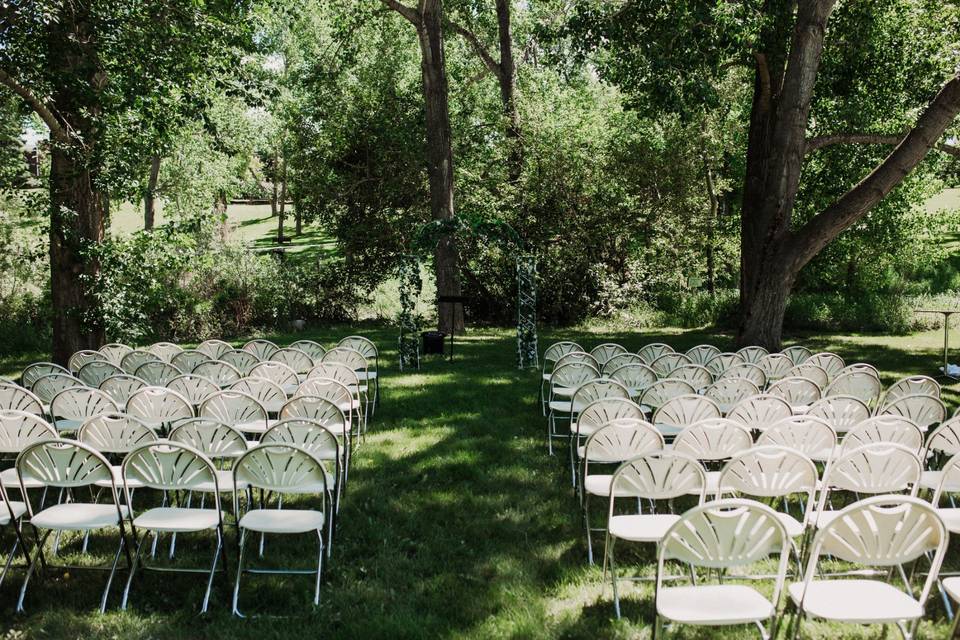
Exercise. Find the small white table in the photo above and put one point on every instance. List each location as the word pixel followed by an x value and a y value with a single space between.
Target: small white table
pixel 946 313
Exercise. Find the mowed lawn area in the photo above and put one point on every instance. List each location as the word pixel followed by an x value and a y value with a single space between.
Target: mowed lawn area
pixel 456 523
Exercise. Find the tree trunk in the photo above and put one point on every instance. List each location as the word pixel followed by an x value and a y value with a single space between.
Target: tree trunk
pixel 711 224
pixel 507 80
pixel 439 158
pixel 149 198
pixel 761 319
pixel 281 211
pixel 77 205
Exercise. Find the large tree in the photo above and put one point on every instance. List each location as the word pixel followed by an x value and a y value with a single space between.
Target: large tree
pixel 808 65
pixel 88 69
pixel 427 19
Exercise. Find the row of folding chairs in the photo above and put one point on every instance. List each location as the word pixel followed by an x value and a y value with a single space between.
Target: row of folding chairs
pixel 710 558
pixel 120 456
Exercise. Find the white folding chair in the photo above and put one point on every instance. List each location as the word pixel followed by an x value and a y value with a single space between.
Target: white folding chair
pixel 299 361
pixel 800 393
pixel 911 386
pixel 267 393
pixel 775 366
pixel 723 361
pixel 195 388
pixel 829 362
pixel 895 429
pixel 660 392
pixel 313 349
pixel 37 370
pixel 812 372
pixel 668 362
pixel 135 359
pixel 654 350
pixel 281 470
pixel 96 371
pixel 720 535
pixel 188 359
pixel 728 392
pixel 564 382
pixel 751 372
pixel 174 469
pixel 159 407
pixel 859 384
pixel 335 393
pixel 157 373
pixel 842 412
pixel 711 441
pixel 697 376
pixel 114 352
pixel 15 398
pixel 121 387
pixel 550 357
pixel 597 414
pixel 942 443
pixel 69 465
pixel 799 354
pixel 753 354
pixel 213 348
pixel 220 442
pixel 811 436
pixel 702 353
pixel 618 361
pixel 115 434
pixel 18 430
pixel 679 412
pixel 656 476
pixel 220 373
pixel 757 413
pixel 603 352
pixel 924 411
pixel 262 349
pixel 277 373
pixel 164 350
pixel 236 409
pixel 241 360
pixel 636 377
pixel 80 358
pixel 884 532
pixel 72 406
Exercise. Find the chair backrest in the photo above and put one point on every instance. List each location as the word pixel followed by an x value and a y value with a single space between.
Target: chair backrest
pixel 603 352
pixel 559 349
pixel 799 392
pixel 46 387
pixel 213 348
pixel 605 410
pixel 80 403
pixel 572 375
pixel 276 372
pixel 668 362
pixel 684 410
pixel 621 440
pixel 63 463
pixel 702 353
pixel 799 354
pixel 945 439
pixel 336 371
pixel 157 373
pixel 924 411
pixel 297 360
pixel 21 428
pixel 262 349
pixel 96 371
pixel 895 429
pixel 135 359
pixel 758 412
pixel 121 387
pixel 713 439
pixel 37 370
pixel 829 362
pixel 594 390
pixel 283 468
pixel 654 350
pixel 241 360
pixel 577 356
pixel 115 433
pixel 14 397
pixel 350 357
pixel 635 377
pixel 214 438
pixel 753 354
pixel 861 367
pixel 316 408
pixel 912 386
pixel 811 436
pixel 859 384
pixel 115 351
pixel 775 366
pixel 698 376
pixel 307 434
pixel 233 408
pixel 750 371
pixel 80 358
pixel 195 388
pixel 164 350
pixel 661 391
pixel 313 349
pixel 727 392
pixel 842 412
pixel 336 392
pixel 723 361
pixel 873 469
pixel 266 392
pixel 770 471
pixel 358 343
pixel 659 475
pixel 949 480
pixel 882 531
pixel 170 466
pixel 188 359
pixel 618 361
pixel 811 371
pixel 217 372
pixel 158 405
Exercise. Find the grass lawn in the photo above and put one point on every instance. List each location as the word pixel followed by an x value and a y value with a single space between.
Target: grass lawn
pixel 456 523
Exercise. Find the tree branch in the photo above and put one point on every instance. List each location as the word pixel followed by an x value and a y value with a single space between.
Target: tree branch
pixel 46 114
pixel 763 70
pixel 855 203
pixel 409 13
pixel 819 142
pixel 477 47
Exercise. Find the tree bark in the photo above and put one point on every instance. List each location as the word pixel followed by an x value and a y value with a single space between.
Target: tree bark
pixel 711 224
pixel 282 209
pixel 150 197
pixel 508 85
pixel 77 205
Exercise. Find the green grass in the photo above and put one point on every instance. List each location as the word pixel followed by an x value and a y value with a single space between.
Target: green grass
pixel 456 523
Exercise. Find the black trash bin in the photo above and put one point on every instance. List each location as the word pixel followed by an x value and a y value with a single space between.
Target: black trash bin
pixel 433 342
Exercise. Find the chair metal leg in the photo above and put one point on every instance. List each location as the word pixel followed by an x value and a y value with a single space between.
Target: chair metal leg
pixel 236 584
pixel 113 571
pixel 613 579
pixel 6 566
pixel 30 569
pixel 213 571
pixel 133 570
pixel 316 590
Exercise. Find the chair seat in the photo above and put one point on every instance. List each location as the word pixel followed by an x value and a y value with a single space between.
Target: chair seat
pixel 793 526
pixel 931 480
pixel 367 375
pixel 642 527
pixel 254 426
pixel 282 520
pixel 18 508
pixel 346 407
pixel 224 481
pixel 951 518
pixel 713 605
pixel 560 406
pixel 585 430
pixel 177 519
pixel 668 430
pixel 11 480
pixel 799 409
pixel 822 518
pixel 855 601
pixel 952 587
pixel 599 485
pixel 78 516
pixel 64 424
